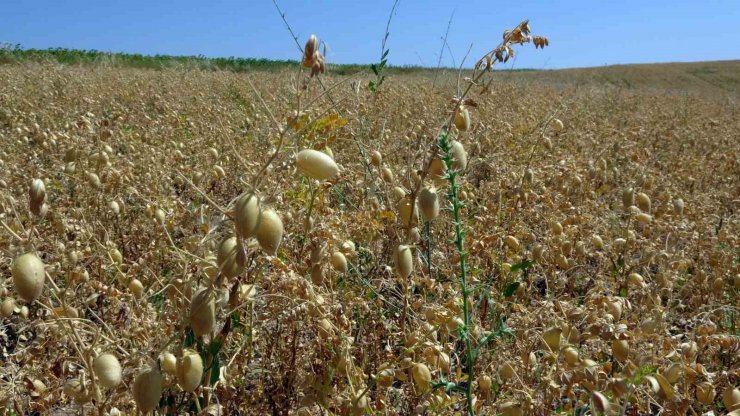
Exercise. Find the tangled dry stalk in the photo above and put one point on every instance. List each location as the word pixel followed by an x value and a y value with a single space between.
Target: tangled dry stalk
pixel 184 241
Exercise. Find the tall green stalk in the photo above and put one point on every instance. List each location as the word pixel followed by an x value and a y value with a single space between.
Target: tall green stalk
pixel 451 176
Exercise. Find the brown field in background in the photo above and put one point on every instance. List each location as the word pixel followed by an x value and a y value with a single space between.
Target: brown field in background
pixel 302 341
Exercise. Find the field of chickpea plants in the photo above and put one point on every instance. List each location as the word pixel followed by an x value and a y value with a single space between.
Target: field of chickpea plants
pixel 293 242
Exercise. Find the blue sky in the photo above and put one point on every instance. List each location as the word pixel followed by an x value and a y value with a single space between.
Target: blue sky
pixel 582 33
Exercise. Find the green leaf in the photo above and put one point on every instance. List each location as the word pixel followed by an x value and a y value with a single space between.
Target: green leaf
pixel 215 371
pixel 385 54
pixel 510 289
pixel 524 265
pixel 236 321
pixel 375 69
pixel 189 339
pixel 383 62
pixel 623 292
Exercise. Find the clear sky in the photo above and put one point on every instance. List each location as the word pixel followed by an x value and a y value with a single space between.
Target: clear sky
pixel 582 33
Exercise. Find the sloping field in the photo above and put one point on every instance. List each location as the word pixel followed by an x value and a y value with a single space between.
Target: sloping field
pixel 216 242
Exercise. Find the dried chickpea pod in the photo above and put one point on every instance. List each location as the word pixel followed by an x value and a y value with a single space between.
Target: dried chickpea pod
pixel 404 261
pixel 202 312
pixel 462 119
pixel 270 232
pixel 147 389
pixel 316 164
pixel 227 258
pixel 28 276
pixel 429 203
pixel 643 202
pixel 247 213
pixel 408 213
pixel 108 370
pixel 376 159
pixel 189 370
pixel 339 262
pixel 422 376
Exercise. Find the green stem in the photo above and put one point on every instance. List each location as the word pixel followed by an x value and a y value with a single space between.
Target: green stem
pixel 444 144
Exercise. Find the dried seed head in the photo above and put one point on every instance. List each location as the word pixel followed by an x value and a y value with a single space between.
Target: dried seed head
pixel 189 370
pixel 429 203
pixel 404 261
pixel 147 389
pixel 247 214
pixel 108 370
pixel 227 258
pixel 628 198
pixel 316 165
pixel 309 51
pixel 202 312
pixel 28 276
pixel 270 232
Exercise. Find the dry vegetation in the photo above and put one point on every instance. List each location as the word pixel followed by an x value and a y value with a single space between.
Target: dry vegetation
pixel 193 262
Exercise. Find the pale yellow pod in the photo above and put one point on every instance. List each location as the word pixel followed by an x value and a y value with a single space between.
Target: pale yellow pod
pixel 247 215
pixel 202 312
pixel 227 258
pixel 462 119
pixel 643 202
pixel 136 288
pixel 189 370
pixel 422 376
pixel 376 158
pixel 339 262
pixel 316 165
pixel 108 370
pixel 168 362
pixel 404 261
pixel 571 355
pixel 459 156
pixel 429 203
pixel 628 198
pixel 705 393
pixel 512 242
pixel 37 192
pixel 28 276
pixel 386 174
pixel 557 125
pixel 731 398
pixel 147 389
pixel 270 232
pixel 408 214
pixel 552 337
